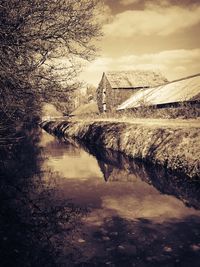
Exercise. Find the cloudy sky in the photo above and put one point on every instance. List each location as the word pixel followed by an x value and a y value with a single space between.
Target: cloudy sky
pixel 161 35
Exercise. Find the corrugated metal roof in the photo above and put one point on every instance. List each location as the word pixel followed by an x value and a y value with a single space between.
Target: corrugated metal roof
pixel 186 89
pixel 134 79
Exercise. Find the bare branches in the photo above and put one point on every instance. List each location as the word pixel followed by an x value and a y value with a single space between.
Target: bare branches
pixel 33 34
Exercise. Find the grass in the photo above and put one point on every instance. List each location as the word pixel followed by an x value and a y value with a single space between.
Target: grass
pixel 173 144
pixel 183 111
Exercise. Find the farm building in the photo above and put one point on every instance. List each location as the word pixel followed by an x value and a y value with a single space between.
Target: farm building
pixel 117 86
pixel 171 94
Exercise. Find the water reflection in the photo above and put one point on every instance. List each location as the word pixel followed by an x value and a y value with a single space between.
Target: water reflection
pixel 34 220
pixel 138 216
pixel 70 161
pixel 129 183
pixel 113 163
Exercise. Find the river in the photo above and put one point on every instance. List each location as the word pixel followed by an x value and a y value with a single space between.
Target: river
pixel 134 215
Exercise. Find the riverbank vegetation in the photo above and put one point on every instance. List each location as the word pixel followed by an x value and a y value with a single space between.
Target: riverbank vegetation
pixel 41 46
pixel 181 111
pixel 174 145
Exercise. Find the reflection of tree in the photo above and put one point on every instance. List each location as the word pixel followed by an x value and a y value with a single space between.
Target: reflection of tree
pixel 33 217
pixel 59 149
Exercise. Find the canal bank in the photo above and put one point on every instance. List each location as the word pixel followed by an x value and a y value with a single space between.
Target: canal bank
pixel 174 146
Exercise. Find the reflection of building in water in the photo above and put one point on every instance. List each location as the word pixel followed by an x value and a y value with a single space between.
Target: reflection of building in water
pixel 114 174
pixel 118 168
pixel 106 169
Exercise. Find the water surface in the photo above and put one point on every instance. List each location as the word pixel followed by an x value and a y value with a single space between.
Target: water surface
pixel 136 215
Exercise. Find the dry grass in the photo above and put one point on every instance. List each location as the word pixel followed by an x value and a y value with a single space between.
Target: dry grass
pixel 184 111
pixel 160 142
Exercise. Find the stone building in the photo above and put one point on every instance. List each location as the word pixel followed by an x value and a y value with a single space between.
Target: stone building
pixel 117 86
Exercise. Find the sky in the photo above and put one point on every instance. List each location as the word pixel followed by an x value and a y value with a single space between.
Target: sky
pixel 161 35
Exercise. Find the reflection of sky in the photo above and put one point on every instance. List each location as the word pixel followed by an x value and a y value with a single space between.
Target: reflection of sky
pixel 124 194
pixel 71 162
pixel 82 167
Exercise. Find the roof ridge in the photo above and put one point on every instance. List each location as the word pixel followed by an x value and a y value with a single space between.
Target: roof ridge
pixel 185 78
pixel 178 80
pixel 136 70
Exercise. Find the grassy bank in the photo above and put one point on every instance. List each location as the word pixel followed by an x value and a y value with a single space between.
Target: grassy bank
pixel 174 146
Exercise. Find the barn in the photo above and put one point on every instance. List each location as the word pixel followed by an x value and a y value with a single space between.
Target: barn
pixel 117 86
pixel 171 94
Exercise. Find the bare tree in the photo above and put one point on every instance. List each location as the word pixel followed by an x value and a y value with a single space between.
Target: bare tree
pixel 34 34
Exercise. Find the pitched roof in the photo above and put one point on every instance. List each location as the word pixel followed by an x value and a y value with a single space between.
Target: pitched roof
pixel 134 78
pixel 186 89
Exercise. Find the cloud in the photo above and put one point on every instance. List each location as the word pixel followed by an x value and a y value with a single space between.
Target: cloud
pixel 173 64
pixel 153 20
pixel 163 58
pixel 128 2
